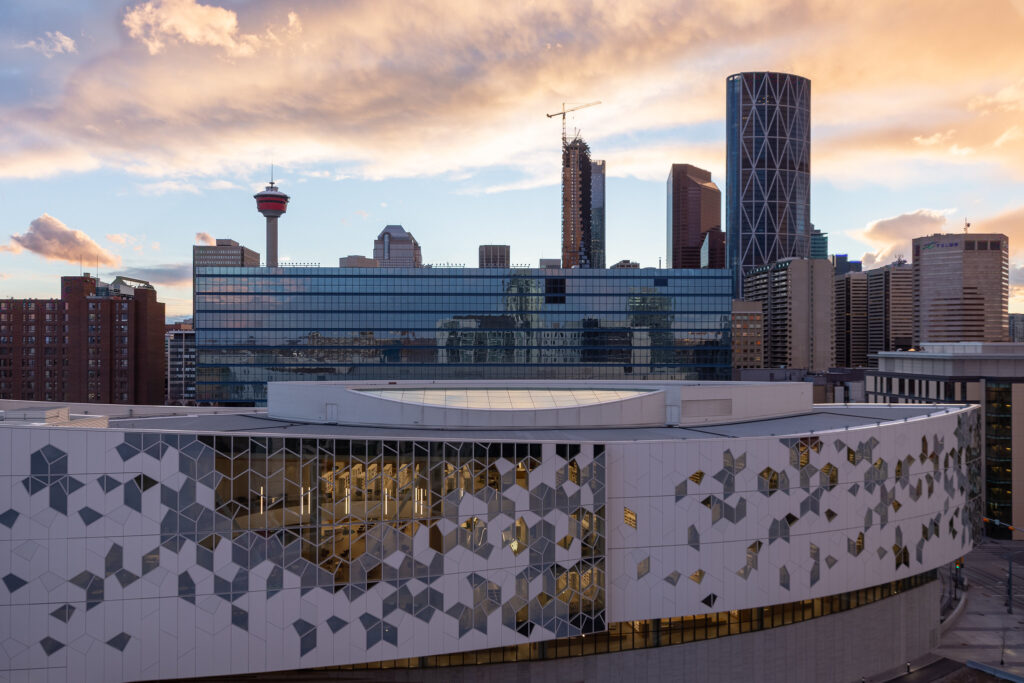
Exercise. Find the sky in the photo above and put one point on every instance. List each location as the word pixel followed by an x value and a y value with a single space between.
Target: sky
pixel 133 130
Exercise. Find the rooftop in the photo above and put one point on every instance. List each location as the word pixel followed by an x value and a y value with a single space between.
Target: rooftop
pixel 612 411
pixel 821 418
pixel 962 349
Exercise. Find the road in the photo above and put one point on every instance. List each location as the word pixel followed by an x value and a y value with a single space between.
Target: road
pixel 984 632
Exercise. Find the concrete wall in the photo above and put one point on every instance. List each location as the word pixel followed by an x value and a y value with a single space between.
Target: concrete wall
pixel 841 647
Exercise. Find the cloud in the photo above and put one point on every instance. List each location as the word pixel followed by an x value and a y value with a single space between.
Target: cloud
pixel 223 185
pixel 205 238
pixel 165 186
pixel 392 89
pixel 1009 223
pixel 362 214
pixel 118 238
pixel 933 139
pixel 892 237
pixel 1017 275
pixel 52 43
pixel 156 22
pixel 1011 134
pixel 1008 98
pixel 171 274
pixel 54 241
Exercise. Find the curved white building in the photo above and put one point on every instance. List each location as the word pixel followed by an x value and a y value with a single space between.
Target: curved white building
pixel 427 525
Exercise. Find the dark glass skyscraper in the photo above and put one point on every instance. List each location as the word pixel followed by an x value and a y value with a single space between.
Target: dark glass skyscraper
pixel 597 213
pixel 768 166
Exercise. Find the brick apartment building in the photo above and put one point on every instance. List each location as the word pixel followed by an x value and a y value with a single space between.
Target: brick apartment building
pixel 99 343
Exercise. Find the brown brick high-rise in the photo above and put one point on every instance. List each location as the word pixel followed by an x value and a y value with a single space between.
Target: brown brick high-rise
pixel 98 343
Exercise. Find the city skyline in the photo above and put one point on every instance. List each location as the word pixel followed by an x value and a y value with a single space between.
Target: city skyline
pixel 385 123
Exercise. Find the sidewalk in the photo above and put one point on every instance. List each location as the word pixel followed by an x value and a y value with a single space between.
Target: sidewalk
pixel 985 632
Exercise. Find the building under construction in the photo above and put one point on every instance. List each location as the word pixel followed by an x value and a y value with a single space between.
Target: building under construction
pixel 576 205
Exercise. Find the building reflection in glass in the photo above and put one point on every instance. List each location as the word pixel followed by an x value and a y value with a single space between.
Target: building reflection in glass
pixel 256 325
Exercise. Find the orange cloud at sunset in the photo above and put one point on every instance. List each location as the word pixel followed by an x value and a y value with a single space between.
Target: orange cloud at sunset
pixel 401 89
pixel 48 237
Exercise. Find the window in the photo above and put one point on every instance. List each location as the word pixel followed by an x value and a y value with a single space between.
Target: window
pixel 629 517
pixel 768 481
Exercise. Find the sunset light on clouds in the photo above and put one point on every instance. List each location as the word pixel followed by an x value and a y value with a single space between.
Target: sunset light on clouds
pixel 158 119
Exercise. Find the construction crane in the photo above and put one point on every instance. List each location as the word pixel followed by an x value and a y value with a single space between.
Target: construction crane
pixel 566 111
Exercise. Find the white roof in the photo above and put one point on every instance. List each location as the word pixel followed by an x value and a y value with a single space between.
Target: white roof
pixel 491 398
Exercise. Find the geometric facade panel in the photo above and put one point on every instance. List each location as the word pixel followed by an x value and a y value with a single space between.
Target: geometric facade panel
pixel 145 554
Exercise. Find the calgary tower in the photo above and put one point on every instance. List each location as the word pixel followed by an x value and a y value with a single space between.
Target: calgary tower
pixel 271 203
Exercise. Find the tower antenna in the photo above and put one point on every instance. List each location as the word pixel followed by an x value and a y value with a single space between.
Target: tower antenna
pixel 966 226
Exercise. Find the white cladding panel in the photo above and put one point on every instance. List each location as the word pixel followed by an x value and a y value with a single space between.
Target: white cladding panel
pixel 744 540
pixel 121 556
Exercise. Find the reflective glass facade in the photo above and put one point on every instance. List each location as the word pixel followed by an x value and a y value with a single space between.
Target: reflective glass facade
pixel 256 325
pixel 768 165
pixel 999 455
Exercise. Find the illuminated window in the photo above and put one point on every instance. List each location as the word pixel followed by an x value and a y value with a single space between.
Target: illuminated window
pixel 629 517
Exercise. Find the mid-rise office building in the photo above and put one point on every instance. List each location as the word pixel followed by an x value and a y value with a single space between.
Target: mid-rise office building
pixel 180 352
pixel 731 531
pixel 851 320
pixel 626 263
pixel 819 244
pixel 494 256
pixel 396 248
pixel 225 253
pixel 890 309
pixel 712 249
pixel 577 246
pixel 1016 321
pixel 693 208
pixel 357 261
pixel 259 325
pixel 768 169
pixel 747 335
pixel 991 375
pixel 842 264
pixel 598 176
pixel 961 288
pixel 797 300
pixel 99 343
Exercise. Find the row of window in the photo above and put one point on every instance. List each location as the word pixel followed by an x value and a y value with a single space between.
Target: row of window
pixel 637 635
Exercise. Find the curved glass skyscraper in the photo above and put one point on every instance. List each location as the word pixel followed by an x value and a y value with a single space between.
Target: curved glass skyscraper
pixel 768 165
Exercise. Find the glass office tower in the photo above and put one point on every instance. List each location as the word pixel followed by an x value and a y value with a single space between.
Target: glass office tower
pixel 255 325
pixel 768 165
pixel 597 213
